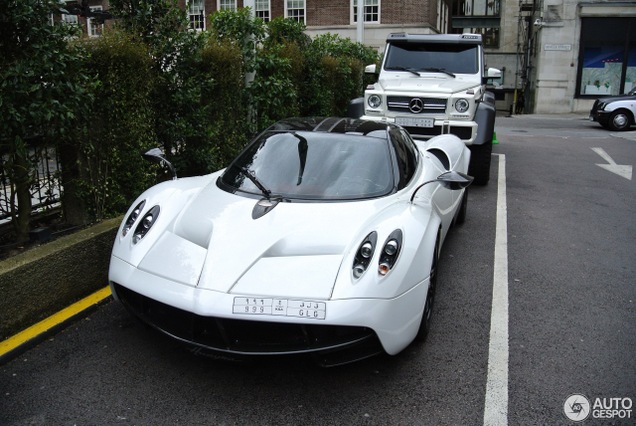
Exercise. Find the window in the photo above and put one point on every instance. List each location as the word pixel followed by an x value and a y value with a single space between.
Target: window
pixel 371 11
pixel 295 9
pixel 261 10
pixel 456 58
pixel 94 28
pixel 607 59
pixel 70 19
pixel 306 165
pixel 227 5
pixel 196 15
pixel 479 17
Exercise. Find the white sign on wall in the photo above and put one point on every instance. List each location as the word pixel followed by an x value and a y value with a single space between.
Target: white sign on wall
pixel 558 47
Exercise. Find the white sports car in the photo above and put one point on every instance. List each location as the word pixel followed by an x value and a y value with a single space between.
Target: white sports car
pixel 321 238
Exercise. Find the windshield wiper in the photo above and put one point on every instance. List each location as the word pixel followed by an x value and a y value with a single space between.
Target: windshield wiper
pixel 251 176
pixel 411 70
pixel 442 70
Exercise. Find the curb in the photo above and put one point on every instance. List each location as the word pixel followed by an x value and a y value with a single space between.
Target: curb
pixel 47 279
pixel 30 337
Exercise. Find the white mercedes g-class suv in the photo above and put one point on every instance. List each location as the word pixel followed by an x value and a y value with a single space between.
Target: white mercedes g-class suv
pixel 432 85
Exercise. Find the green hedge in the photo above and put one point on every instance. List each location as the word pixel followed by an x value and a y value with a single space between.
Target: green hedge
pixel 201 96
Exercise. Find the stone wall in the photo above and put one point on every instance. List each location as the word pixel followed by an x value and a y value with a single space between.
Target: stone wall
pixel 37 283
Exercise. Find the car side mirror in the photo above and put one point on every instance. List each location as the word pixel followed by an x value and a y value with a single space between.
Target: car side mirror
pixel 370 69
pixel 451 180
pixel 156 155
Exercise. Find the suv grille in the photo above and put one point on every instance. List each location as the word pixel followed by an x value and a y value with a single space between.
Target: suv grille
pixel 416 105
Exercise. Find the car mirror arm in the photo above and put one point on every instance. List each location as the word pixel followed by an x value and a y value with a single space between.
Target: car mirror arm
pixel 451 180
pixel 156 155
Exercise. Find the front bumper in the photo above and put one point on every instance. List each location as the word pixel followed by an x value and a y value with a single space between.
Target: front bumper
pixel 600 117
pixel 350 330
pixel 465 130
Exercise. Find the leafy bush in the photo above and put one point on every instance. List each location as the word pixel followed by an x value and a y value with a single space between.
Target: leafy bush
pixel 121 124
pixel 41 94
pixel 199 95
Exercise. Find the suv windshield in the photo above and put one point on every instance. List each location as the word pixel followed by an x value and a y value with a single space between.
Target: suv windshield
pixel 308 165
pixel 453 58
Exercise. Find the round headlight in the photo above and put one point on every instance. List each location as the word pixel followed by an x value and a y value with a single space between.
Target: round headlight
pixel 358 270
pixel 132 218
pixel 146 223
pixel 374 101
pixel 391 247
pixel 461 105
pixel 366 250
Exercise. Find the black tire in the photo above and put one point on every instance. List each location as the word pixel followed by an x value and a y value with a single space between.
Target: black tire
pixel 425 324
pixel 620 120
pixel 461 214
pixel 479 167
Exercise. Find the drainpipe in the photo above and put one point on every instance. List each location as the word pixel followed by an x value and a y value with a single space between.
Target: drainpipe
pixel 360 15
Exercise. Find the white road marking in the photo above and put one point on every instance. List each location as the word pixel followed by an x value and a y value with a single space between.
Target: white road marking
pixel 619 169
pixel 496 404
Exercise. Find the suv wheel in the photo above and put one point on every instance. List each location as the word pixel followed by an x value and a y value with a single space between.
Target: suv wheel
pixel 479 167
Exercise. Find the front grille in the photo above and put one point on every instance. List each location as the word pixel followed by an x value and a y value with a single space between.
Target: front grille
pixel 244 337
pixel 427 105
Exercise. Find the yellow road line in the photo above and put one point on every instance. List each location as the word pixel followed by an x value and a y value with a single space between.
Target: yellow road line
pixel 35 330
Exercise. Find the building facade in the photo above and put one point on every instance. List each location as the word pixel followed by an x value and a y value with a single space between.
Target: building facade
pixel 557 56
pixel 561 55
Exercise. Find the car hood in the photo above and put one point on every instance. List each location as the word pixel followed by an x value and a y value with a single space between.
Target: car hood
pixel 295 250
pixel 608 99
pixel 433 84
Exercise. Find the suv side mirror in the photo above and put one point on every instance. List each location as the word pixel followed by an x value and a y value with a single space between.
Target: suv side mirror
pixel 370 69
pixel 491 74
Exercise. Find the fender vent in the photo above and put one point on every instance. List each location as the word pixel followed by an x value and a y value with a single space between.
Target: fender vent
pixel 441 156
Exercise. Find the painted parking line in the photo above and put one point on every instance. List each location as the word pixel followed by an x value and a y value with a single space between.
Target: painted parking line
pixel 41 328
pixel 496 403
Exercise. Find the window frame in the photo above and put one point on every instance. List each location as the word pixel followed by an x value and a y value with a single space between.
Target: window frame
pixel 267 11
pixel 201 14
pixel 288 8
pixel 353 9
pixel 92 29
pixel 223 5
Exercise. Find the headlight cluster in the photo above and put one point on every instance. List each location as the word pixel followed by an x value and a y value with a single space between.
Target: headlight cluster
pixel 374 101
pixel 462 105
pixel 388 255
pixel 144 224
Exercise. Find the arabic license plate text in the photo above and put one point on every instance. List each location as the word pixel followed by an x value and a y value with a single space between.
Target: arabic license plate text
pixel 280 307
pixel 415 122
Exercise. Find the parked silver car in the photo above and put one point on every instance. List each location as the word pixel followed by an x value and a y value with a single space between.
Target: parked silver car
pixel 615 112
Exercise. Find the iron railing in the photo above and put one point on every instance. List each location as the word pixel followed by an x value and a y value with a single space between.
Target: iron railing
pixel 46 188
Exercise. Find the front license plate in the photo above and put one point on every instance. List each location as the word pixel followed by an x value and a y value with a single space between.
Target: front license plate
pixel 280 307
pixel 415 122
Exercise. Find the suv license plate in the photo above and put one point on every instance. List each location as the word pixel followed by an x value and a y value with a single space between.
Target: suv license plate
pixel 414 122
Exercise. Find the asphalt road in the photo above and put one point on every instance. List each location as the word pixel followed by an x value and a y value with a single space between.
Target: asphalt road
pixel 569 253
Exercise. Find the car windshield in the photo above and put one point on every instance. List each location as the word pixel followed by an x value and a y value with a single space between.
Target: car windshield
pixel 307 165
pixel 450 58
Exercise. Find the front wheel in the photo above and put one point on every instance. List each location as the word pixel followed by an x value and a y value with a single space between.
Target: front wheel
pixel 425 324
pixel 620 120
pixel 463 208
pixel 479 167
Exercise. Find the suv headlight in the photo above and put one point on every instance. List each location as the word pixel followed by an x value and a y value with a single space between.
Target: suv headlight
pixel 374 101
pixel 462 105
